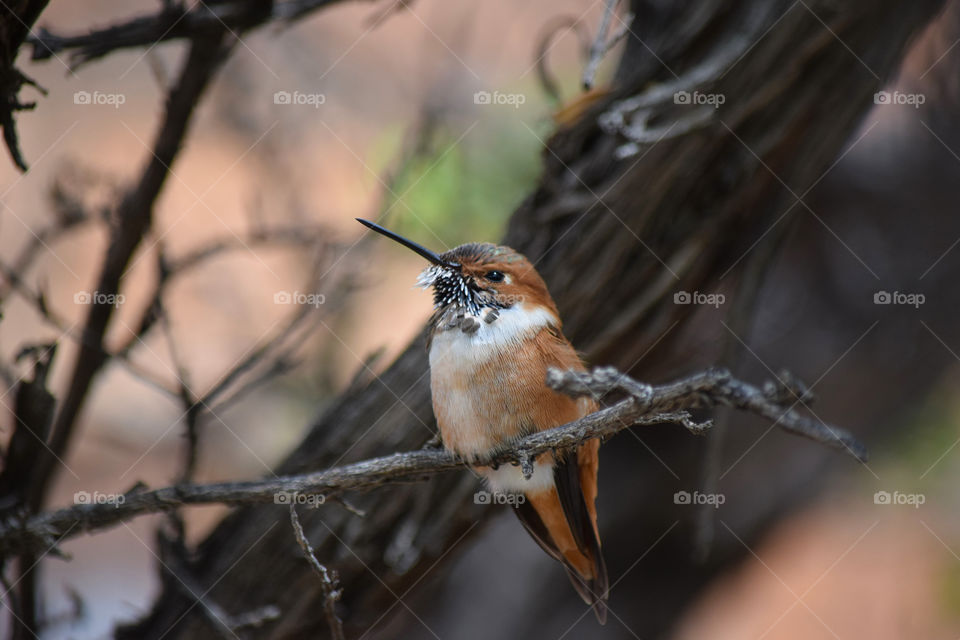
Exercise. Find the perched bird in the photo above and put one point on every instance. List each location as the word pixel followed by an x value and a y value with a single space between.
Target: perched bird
pixel 494 332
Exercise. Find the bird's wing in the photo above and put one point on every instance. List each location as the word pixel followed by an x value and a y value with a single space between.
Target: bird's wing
pixel 562 522
pixel 563 518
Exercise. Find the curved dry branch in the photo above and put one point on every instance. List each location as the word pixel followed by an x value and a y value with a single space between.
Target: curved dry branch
pixel 644 405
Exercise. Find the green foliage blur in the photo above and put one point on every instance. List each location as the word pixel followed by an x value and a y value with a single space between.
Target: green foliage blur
pixel 454 189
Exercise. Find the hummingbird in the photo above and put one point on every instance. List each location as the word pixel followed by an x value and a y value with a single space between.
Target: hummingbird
pixel 494 332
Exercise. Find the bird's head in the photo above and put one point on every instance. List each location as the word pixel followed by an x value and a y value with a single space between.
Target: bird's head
pixel 475 277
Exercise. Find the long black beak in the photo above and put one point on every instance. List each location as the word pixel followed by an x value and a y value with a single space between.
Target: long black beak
pixel 410 244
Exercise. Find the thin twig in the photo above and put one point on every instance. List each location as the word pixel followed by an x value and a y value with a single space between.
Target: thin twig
pixel 293 235
pixel 639 118
pixel 601 46
pixel 38 301
pixel 553 28
pixel 329 580
pixel 188 401
pixel 275 355
pixel 172 22
pixel 38 242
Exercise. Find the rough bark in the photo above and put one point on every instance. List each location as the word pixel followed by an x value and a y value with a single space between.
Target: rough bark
pixel 606 233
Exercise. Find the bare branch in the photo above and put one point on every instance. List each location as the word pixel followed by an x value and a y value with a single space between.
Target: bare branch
pixel 632 117
pixel 188 401
pixel 644 405
pixel 293 235
pixel 13 32
pixel 174 21
pixel 328 578
pixel 601 46
pixel 69 216
pixel 38 301
pixel 10 84
pixel 556 27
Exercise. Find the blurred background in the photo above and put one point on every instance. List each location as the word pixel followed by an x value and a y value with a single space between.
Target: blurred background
pixel 393 130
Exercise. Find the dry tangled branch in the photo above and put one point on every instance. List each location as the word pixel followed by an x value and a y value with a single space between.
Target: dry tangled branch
pixel 328 578
pixel 643 405
pixel 16 21
pixel 174 21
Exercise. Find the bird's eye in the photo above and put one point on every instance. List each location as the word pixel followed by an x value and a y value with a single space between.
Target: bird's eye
pixel 494 276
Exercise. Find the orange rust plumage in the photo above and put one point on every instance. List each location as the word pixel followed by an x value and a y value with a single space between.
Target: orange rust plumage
pixel 494 333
